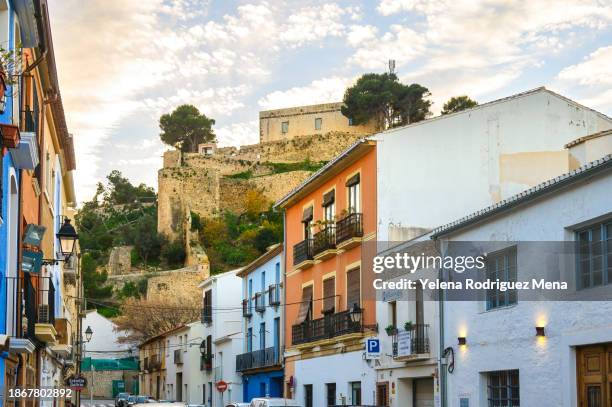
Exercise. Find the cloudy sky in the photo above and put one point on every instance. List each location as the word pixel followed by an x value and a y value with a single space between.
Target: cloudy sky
pixel 123 63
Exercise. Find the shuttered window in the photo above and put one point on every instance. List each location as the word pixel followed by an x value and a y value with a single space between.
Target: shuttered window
pixel 353 285
pixel 306 305
pixel 329 295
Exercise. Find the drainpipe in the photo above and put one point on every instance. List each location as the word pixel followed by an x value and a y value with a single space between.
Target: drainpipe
pixel 443 370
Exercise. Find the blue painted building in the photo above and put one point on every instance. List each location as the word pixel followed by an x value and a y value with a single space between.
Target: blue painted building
pixel 261 364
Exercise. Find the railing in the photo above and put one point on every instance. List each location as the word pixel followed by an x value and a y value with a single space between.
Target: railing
pixel 46 310
pixel 324 240
pixel 207 315
pixel 258 359
pixel 178 356
pixel 302 251
pixel 30 300
pixel 260 305
pixel 274 294
pixel 206 362
pixel 349 227
pixel 418 339
pixel 154 363
pixel 29 120
pixel 247 308
pixel 327 327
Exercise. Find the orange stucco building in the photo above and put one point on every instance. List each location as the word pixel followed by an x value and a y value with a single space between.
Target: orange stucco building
pixel 329 310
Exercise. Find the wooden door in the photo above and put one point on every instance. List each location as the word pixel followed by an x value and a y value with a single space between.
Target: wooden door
pixel 594 371
pixel 382 394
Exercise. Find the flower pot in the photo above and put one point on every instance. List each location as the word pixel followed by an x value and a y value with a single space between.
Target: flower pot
pixel 391 331
pixel 10 135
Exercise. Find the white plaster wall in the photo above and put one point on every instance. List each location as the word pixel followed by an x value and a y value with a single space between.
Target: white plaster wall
pixel 505 338
pixel 341 369
pixel 105 337
pixel 433 172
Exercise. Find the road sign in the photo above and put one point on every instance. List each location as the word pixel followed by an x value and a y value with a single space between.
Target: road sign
pixel 77 382
pixel 373 348
pixel 221 386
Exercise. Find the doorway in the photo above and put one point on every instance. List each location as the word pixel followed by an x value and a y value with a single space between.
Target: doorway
pixel 594 375
pixel 382 394
pixel 423 392
pixel 179 387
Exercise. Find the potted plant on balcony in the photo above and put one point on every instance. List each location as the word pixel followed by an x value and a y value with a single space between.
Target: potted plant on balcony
pixel 408 326
pixel 391 330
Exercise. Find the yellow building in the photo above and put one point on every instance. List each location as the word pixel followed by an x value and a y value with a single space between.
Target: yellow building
pixel 152 370
pixel 281 124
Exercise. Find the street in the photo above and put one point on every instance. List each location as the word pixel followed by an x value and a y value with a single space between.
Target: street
pixel 97 403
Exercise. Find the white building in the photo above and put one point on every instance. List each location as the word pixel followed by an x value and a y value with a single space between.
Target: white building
pixel 545 353
pixel 105 341
pixel 434 171
pixel 222 332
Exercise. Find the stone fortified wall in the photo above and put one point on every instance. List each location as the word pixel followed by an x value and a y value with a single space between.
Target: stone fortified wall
pixel 192 182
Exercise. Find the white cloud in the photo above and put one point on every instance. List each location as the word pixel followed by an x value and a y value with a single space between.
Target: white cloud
pixel 318 91
pixel 237 134
pixel 361 33
pixel 313 24
pixel 596 69
pixel 400 43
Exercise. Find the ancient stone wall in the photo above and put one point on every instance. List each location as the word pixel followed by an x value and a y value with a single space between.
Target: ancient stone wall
pixel 181 283
pixel 120 260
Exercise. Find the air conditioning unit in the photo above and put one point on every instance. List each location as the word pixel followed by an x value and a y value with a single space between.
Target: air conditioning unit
pixel 43 313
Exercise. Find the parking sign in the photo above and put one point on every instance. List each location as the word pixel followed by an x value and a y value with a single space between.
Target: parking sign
pixel 373 348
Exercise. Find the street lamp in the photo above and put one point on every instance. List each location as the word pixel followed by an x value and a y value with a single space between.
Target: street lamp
pixel 203 347
pixel 88 334
pixel 356 314
pixel 67 236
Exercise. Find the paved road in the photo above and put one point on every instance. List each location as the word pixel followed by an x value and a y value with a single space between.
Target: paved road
pixel 98 403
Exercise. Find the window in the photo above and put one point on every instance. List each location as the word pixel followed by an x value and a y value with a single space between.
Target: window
pixel 250 340
pixel 285 127
pixel 329 206
pixel 308 395
pixel 262 336
pixel 354 200
pixel 353 288
pixel 318 122
pixel 595 255
pixel 278 273
pixel 329 295
pixel 330 390
pixel 501 265
pixel 503 388
pixel 393 313
pixel 355 393
pixel 263 281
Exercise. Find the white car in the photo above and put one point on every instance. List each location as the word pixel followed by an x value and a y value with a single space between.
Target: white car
pixel 274 402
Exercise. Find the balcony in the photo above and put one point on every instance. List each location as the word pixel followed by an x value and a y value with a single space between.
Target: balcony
pixel 206 362
pixel 145 365
pixel 302 254
pixel 45 325
pixel 329 326
pixel 63 346
pixel 260 304
pixel 21 299
pixel 274 294
pixel 154 363
pixel 178 356
pixel 413 344
pixel 207 315
pixel 247 308
pixel 349 231
pixel 258 359
pixel 324 243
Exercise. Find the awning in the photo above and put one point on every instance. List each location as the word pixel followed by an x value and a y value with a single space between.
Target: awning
pixel 329 198
pixel 307 215
pixel 353 180
pixel 304 306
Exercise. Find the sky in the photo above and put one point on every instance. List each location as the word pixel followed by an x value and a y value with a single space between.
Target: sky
pixel 123 63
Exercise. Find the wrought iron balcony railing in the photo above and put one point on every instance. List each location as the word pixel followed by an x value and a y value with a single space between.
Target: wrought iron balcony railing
pixel 257 359
pixel 274 294
pixel 349 227
pixel 30 300
pixel 178 356
pixel 247 308
pixel 207 315
pixel 302 251
pixel 408 343
pixel 324 240
pixel 329 326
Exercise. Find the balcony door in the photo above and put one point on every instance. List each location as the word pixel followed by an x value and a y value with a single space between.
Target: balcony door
pixel 594 374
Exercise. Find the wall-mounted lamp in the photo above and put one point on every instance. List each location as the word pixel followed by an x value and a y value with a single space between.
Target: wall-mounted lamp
pixel 462 341
pixel 540 331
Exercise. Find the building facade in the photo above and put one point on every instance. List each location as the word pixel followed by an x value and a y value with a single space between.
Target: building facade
pixel 556 352
pixel 330 308
pixel 222 333
pixel 292 122
pixel 261 363
pixel 152 369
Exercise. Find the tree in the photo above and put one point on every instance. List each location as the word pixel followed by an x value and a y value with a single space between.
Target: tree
pixel 121 191
pixel 457 104
pixel 185 128
pixel 141 318
pixel 383 98
pixel 147 242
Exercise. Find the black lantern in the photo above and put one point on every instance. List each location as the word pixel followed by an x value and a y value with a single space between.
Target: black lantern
pixel 203 348
pixel 67 236
pixel 356 313
pixel 88 334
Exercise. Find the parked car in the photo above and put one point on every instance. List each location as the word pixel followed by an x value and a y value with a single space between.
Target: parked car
pixel 236 404
pixel 133 400
pixel 273 402
pixel 121 399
